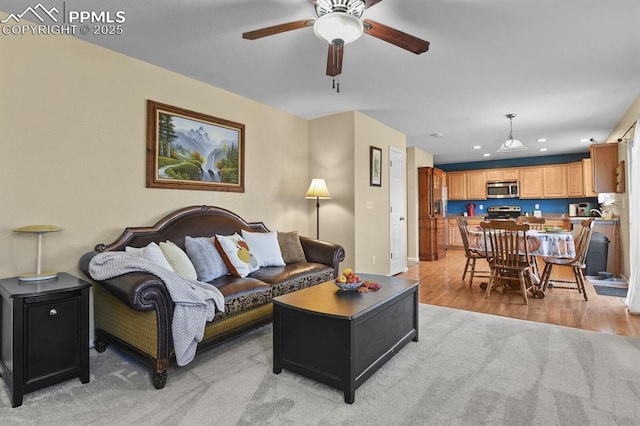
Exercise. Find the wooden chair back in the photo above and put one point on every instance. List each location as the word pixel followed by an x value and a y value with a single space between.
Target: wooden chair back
pixel 464 233
pixel 507 242
pixel 582 245
pixel 534 222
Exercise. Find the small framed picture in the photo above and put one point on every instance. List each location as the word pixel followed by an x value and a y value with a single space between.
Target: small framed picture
pixel 375 166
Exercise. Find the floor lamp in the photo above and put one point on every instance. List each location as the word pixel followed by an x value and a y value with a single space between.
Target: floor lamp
pixel 318 190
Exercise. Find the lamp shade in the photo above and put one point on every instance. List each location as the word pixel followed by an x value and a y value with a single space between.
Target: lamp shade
pixel 338 26
pixel 512 145
pixel 318 189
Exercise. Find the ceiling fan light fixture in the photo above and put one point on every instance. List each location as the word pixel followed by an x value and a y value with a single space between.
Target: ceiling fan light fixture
pixel 338 26
pixel 511 144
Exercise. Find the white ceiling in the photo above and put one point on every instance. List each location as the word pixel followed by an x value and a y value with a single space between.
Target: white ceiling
pixel 569 69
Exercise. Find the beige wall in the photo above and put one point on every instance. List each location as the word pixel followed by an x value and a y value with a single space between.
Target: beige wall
pixel 627 120
pixel 331 153
pixel 415 158
pixel 73 120
pixel 372 234
pixel 339 153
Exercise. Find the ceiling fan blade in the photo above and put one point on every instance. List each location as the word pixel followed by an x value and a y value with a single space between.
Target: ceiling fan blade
pixel 397 37
pixel 277 29
pixel 334 59
pixel 369 3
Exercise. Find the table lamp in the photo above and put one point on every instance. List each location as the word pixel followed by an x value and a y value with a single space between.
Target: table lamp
pixel 39 274
pixel 318 189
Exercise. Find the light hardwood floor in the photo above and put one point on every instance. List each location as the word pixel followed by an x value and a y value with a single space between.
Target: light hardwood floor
pixel 441 284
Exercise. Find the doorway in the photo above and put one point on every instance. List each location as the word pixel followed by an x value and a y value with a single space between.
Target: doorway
pixel 397 189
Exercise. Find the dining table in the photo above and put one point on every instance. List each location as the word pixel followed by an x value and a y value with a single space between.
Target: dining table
pixel 553 243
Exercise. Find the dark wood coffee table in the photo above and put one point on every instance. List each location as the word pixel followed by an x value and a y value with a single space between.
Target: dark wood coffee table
pixel 341 338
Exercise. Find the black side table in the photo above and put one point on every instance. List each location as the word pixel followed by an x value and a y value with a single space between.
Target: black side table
pixel 44 337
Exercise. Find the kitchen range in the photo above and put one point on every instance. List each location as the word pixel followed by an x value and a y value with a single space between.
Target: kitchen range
pixel 503 212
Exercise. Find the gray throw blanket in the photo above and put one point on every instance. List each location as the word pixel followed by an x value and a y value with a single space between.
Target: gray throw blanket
pixel 194 301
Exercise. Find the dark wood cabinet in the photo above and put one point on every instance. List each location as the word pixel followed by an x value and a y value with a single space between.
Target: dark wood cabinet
pixel 432 225
pixel 45 333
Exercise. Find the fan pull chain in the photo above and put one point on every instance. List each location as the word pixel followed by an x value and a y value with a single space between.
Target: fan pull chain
pixel 336 86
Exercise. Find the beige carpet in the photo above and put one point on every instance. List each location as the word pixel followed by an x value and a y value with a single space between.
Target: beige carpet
pixel 467 369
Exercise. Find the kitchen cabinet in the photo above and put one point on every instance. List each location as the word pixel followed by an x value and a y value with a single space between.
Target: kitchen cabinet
pixel 587 177
pixel 575 180
pixel 554 181
pixel 432 236
pixel 531 182
pixel 604 160
pixel 467 185
pixel 477 185
pixel 502 174
pixel 454 237
pixel 543 182
pixel 579 179
pixel 431 222
pixel 457 186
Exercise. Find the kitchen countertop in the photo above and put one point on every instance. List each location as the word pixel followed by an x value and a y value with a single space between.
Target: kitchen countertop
pixel 551 217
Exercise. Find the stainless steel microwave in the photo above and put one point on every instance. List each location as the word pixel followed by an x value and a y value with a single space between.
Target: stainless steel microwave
pixel 503 189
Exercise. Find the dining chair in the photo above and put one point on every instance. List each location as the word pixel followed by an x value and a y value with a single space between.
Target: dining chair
pixel 534 222
pixel 472 253
pixel 509 257
pixel 577 262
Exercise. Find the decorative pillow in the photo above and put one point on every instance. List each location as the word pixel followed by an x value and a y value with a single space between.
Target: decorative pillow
pixel 152 253
pixel 265 247
pixel 178 260
pixel 237 255
pixel 291 247
pixel 205 258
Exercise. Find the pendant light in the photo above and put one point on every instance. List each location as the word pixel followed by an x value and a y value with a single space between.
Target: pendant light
pixel 511 144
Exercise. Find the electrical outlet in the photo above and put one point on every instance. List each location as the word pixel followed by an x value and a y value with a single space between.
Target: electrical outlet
pixel 481 207
pixel 373 260
pixel 537 206
pixel 369 205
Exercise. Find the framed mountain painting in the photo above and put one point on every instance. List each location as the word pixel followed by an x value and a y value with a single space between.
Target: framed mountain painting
pixel 191 150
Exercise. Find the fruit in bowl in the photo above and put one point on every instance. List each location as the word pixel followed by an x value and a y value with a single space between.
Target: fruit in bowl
pixel 348 280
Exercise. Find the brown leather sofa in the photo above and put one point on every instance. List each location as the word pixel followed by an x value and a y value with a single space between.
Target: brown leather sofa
pixel 134 311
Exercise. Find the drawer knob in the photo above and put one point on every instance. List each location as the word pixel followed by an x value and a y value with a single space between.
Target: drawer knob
pixel 53 312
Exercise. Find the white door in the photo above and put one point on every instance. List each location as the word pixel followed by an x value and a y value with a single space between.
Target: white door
pixel 397 207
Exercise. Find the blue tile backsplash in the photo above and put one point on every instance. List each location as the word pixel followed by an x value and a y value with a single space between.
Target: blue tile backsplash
pixel 547 206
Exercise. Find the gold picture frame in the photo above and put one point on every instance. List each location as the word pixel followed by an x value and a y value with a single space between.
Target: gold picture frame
pixel 191 150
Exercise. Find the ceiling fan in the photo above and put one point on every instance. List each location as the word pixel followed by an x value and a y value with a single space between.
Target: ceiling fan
pixel 340 22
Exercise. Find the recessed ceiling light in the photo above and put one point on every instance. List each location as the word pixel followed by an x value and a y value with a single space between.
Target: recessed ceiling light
pixel 436 135
pixel 477 147
pixel 585 140
pixel 542 140
pixel 543 149
pixel 486 155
